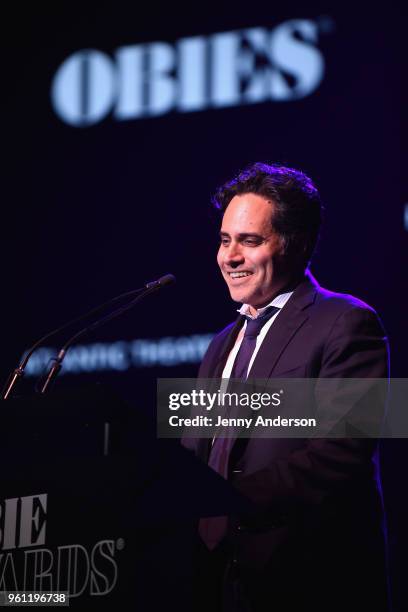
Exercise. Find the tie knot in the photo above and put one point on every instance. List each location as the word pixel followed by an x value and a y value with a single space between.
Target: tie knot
pixel 254 326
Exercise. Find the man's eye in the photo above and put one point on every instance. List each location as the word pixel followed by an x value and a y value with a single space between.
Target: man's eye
pixel 252 241
pixel 224 241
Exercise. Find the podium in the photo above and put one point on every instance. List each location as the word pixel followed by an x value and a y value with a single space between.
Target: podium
pixel 93 504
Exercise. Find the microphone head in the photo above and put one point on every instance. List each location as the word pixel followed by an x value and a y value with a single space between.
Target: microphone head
pixel 167 279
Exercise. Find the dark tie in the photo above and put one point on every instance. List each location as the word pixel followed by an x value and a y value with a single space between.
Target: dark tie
pixel 212 529
pixel 248 344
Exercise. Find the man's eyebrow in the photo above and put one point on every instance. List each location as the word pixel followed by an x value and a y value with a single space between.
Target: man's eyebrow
pixel 250 235
pixel 244 235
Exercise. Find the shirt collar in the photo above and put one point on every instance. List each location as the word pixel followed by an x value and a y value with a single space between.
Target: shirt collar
pixel 279 301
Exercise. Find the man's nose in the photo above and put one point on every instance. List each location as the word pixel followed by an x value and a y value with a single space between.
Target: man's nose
pixel 234 255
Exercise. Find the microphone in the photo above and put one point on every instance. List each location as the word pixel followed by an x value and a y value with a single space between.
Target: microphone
pixel 19 371
pixel 168 279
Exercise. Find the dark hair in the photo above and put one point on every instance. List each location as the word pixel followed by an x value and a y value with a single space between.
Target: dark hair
pixel 297 211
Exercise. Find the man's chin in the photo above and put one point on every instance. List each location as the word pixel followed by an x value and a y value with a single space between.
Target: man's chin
pixel 247 297
pixel 239 296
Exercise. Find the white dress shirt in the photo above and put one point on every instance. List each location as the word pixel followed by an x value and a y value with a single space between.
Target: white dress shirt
pixel 279 301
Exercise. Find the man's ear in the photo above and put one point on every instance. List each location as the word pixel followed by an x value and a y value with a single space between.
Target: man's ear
pixel 289 256
pixel 283 246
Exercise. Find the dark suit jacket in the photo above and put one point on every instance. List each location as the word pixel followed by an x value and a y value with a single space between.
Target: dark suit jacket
pixel 316 535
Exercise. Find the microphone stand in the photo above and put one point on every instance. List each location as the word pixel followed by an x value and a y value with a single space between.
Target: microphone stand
pixel 54 370
pixel 18 372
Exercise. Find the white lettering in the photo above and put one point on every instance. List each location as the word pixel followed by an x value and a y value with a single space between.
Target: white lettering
pixel 83 90
pixel 192 74
pixel 10 523
pixel 225 85
pixel 130 82
pixel 30 517
pixel 102 557
pixel 37 577
pixel 161 86
pixel 222 70
pixel 297 58
pixel 8 577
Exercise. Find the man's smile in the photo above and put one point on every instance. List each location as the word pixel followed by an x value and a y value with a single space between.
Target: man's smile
pixel 237 275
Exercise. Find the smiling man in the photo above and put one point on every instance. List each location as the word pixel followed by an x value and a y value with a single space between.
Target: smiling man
pixel 314 540
pixel 251 255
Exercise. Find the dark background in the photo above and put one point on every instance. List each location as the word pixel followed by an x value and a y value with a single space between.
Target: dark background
pixel 88 213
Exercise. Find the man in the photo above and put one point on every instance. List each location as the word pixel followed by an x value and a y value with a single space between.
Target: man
pixel 314 540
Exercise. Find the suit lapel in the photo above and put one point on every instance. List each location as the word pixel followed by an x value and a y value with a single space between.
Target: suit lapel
pixel 290 319
pixel 226 347
pixel 288 322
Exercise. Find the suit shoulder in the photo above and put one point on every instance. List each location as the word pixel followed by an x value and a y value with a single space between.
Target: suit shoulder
pixel 341 302
pixel 336 309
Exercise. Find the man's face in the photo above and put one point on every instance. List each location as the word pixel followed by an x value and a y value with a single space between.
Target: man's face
pixel 250 253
